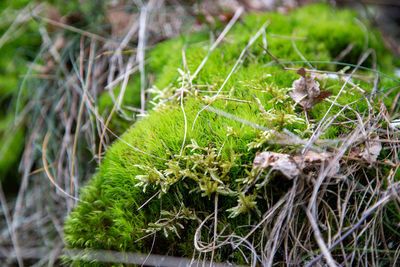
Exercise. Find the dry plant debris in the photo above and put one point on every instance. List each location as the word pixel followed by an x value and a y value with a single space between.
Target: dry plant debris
pixel 370 151
pixel 306 90
pixel 293 166
pixel 278 161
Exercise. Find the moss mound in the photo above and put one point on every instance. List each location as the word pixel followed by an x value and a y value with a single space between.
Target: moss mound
pixel 195 149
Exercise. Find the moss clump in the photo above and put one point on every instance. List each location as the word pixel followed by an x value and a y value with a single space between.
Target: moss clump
pixel 191 159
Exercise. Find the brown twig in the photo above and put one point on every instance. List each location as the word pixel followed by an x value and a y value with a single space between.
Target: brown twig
pixel 74 29
pixel 310 70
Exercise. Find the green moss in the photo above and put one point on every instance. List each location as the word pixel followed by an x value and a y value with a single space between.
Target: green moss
pixel 185 166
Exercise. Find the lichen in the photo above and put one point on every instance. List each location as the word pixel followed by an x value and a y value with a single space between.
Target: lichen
pixel 173 163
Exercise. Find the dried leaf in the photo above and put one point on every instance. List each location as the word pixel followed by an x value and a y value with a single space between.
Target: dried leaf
pixel 282 162
pixel 369 152
pixel 306 90
pixel 302 72
pixel 372 150
pixel 294 166
pixel 311 158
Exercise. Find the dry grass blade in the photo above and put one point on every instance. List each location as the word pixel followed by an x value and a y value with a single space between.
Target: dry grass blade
pixel 77 30
pixel 250 43
pixel 367 213
pixel 14 238
pixel 139 58
pixel 80 112
pixel 184 87
pixel 321 243
pixel 23 17
pixel 140 55
pixel 47 171
pixel 137 258
pixel 316 71
pixel 318 131
pixel 215 228
pixel 232 22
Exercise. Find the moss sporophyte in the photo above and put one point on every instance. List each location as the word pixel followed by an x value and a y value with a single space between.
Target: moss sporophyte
pixel 203 178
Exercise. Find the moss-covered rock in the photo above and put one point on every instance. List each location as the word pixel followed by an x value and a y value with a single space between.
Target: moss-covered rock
pixel 165 174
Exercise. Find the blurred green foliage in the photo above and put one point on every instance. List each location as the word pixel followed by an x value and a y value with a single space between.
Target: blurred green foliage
pixel 19 48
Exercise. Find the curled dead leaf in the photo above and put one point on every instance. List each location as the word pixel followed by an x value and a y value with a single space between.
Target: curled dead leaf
pixel 369 152
pixel 306 90
pixel 282 162
pixel 372 149
pixel 292 166
pixel 314 159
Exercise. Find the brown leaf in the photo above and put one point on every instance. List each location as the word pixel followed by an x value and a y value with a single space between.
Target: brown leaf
pixel 225 17
pixel 294 166
pixel 278 161
pixel 306 90
pixel 372 150
pixel 314 159
pixel 369 152
pixel 302 72
pixel 311 157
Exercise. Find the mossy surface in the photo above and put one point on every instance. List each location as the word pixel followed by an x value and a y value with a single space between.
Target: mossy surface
pixel 187 166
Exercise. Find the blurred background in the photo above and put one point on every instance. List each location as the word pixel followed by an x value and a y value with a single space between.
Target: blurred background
pixel 62 101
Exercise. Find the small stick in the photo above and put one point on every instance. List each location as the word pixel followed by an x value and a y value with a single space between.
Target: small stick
pixel 209 125
pixel 215 228
pixel 308 70
pixel 74 29
pixel 274 58
pixel 235 100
